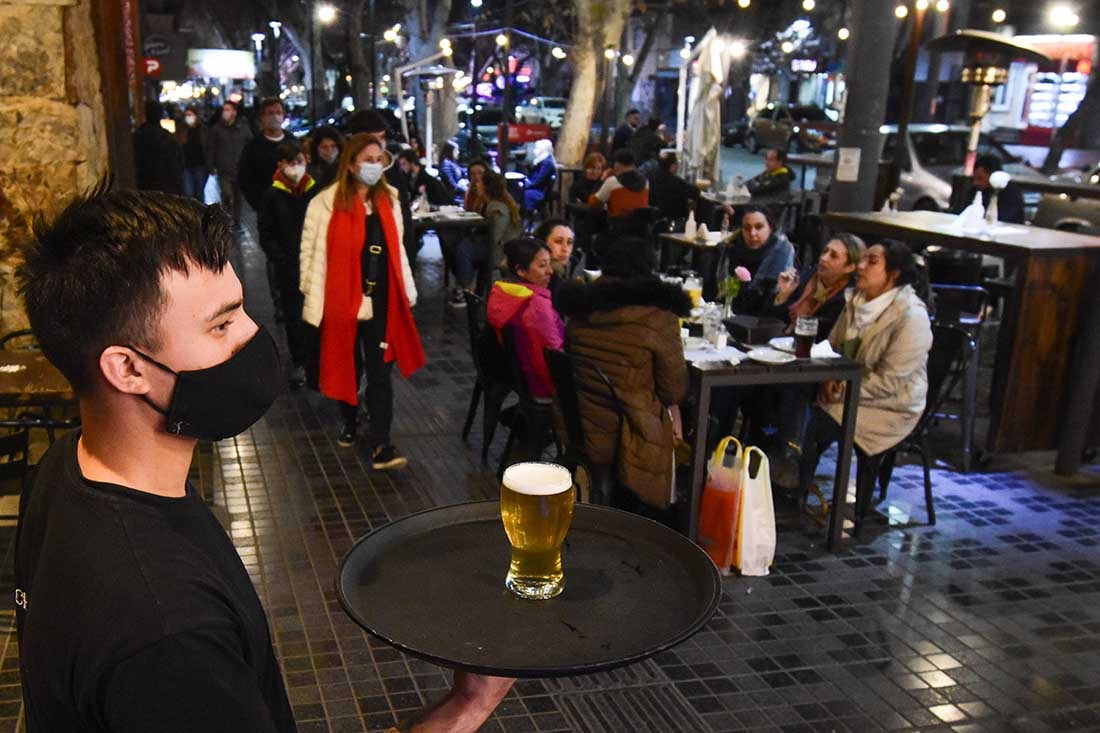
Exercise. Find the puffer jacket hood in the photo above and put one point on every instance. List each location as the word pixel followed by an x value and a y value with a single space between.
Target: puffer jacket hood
pixel 632 180
pixel 576 299
pixel 511 299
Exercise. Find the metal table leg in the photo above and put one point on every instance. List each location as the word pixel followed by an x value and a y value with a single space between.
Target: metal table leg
pixel 699 454
pixel 843 466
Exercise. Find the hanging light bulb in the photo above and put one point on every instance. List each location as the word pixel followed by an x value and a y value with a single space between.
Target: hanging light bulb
pixel 808 5
pixel 843 34
pixel 901 11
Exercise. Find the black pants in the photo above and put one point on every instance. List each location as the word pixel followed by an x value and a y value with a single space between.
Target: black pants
pixel 379 373
pixel 290 302
pixel 821 432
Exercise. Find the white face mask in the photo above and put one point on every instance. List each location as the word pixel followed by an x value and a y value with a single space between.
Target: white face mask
pixel 295 172
pixel 273 122
pixel 370 173
pixel 190 119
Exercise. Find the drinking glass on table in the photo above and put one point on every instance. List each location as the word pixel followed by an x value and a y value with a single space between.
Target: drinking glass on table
pixel 536 505
pixel 805 333
pixel 693 286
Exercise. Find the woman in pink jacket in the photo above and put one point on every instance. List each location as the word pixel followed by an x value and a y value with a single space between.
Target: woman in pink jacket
pixel 523 302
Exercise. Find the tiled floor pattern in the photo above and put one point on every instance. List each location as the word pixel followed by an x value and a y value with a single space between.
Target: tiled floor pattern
pixel 989 621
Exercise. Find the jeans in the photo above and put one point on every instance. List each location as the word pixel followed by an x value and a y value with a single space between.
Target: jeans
pixel 231 197
pixel 821 432
pixel 194 181
pixel 369 361
pixel 471 256
pixel 290 302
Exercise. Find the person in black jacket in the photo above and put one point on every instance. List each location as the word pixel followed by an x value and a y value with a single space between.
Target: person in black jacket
pixel 668 191
pixel 625 131
pixel 158 157
pixel 280 218
pixel 326 143
pixel 1010 200
pixel 646 143
pixel 259 159
pixel 420 182
pixel 776 178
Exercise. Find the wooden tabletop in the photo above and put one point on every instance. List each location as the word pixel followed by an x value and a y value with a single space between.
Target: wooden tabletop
pixel 931 227
pixel 685 241
pixel 28 378
pixel 1048 185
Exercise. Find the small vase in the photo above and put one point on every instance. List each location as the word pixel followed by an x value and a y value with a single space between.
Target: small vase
pixel 991 210
pixel 727 309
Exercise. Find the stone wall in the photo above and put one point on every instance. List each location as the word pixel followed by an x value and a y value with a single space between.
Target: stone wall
pixel 52 123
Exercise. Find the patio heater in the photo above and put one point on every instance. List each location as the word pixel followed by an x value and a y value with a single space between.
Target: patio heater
pixel 986 58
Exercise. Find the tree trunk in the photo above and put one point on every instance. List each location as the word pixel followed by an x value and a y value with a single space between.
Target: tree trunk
pixel 599 24
pixel 1082 121
pixel 426 23
pixel 357 56
pixel 628 82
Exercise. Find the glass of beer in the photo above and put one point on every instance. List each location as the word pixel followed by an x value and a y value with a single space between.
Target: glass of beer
pixel 536 504
pixel 805 333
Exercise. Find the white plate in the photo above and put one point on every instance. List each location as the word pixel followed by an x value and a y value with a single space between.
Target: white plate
pixel 768 355
pixel 694 343
pixel 783 343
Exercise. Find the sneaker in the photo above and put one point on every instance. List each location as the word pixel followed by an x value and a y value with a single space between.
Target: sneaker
pixel 347 437
pixel 458 300
pixel 386 458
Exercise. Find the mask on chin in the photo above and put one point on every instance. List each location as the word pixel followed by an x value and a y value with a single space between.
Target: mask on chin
pixel 226 399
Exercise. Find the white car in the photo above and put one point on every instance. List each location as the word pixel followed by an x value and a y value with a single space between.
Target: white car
pixel 550 110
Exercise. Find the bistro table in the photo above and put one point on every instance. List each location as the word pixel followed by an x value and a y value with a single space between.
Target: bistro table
pixel 1043 391
pixel 705 255
pixel 447 219
pixel 709 375
pixel 29 380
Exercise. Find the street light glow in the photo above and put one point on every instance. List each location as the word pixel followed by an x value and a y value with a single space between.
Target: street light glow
pixel 808 5
pixel 558 53
pixel 738 49
pixel 685 53
pixel 922 5
pixel 942 6
pixel 901 11
pixel 390 35
pixel 843 34
pixel 475 3
pixel 628 59
pixel 787 47
pixel 444 43
pixel 743 3
pixel 326 13
pixel 502 40
pixel 609 53
pixel 275 26
pixel 999 15
pixel 1063 16
pixel 258 37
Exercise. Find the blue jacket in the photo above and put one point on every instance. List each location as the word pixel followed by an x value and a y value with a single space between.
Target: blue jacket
pixel 539 182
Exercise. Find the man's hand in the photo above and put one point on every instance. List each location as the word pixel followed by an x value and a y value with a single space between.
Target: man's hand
pixel 831 392
pixel 472 699
pixel 786 284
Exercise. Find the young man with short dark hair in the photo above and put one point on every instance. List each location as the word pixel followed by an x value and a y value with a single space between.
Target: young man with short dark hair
pixel 134 610
pixel 225 144
pixel 776 178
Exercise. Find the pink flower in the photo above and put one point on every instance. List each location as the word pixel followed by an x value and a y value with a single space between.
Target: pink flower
pixel 742 274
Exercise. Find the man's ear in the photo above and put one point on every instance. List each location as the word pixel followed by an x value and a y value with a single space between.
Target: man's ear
pixel 124 370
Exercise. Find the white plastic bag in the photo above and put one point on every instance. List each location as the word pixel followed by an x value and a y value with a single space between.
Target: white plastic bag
pixel 211 192
pixel 755 551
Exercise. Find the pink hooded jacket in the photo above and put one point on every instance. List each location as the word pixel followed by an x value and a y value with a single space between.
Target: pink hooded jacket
pixel 536 325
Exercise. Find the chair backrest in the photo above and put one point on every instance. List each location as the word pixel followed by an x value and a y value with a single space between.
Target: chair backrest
pixel 951 347
pixel 512 356
pixel 959 303
pixel 14 450
pixel 560 365
pixel 475 320
pixel 952 267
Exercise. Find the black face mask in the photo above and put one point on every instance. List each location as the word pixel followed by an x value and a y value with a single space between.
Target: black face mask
pixel 226 399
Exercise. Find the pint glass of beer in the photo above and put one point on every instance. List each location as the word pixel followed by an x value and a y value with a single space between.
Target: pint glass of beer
pixel 536 504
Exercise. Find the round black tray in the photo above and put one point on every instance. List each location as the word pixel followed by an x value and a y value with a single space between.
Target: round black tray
pixel 432 585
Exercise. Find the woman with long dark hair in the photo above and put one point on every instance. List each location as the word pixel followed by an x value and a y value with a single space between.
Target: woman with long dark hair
pixel 359 290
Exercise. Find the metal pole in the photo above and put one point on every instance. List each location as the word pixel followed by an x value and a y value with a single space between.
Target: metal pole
pixel 315 63
pixel 905 112
pixel 506 113
pixel 867 70
pixel 373 58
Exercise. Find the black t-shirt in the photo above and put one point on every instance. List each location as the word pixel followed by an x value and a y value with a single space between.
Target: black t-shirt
pixel 139 614
pixel 376 265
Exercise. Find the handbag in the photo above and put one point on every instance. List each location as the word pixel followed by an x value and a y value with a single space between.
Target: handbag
pixel 755 548
pixel 719 508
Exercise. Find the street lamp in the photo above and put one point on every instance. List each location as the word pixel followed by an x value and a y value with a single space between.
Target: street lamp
pixel 628 59
pixel 275 26
pixel 901 11
pixel 502 40
pixel 942 6
pixel 1063 16
pixel 808 5
pixel 843 34
pixel 999 15
pixel 326 13
pixel 475 4
pixel 787 47
pixel 558 53
pixel 922 5
pixel 738 49
pixel 743 3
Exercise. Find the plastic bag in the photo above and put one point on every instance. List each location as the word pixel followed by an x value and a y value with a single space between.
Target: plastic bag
pixel 211 192
pixel 721 500
pixel 755 547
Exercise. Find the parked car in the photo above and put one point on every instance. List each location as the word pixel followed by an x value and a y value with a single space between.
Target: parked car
pixel 733 133
pixel 936 153
pixel 792 128
pixel 545 110
pixel 1061 211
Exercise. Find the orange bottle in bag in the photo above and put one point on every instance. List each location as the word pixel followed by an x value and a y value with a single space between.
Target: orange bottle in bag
pixel 721 502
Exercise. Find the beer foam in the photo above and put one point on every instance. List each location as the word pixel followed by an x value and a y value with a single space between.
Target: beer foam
pixel 537 479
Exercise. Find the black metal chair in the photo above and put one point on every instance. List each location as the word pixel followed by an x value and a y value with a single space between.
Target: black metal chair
pixel 953 267
pixel 963 306
pixel 951 347
pixel 14 464
pixel 528 419
pixel 491 386
pixel 596 483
